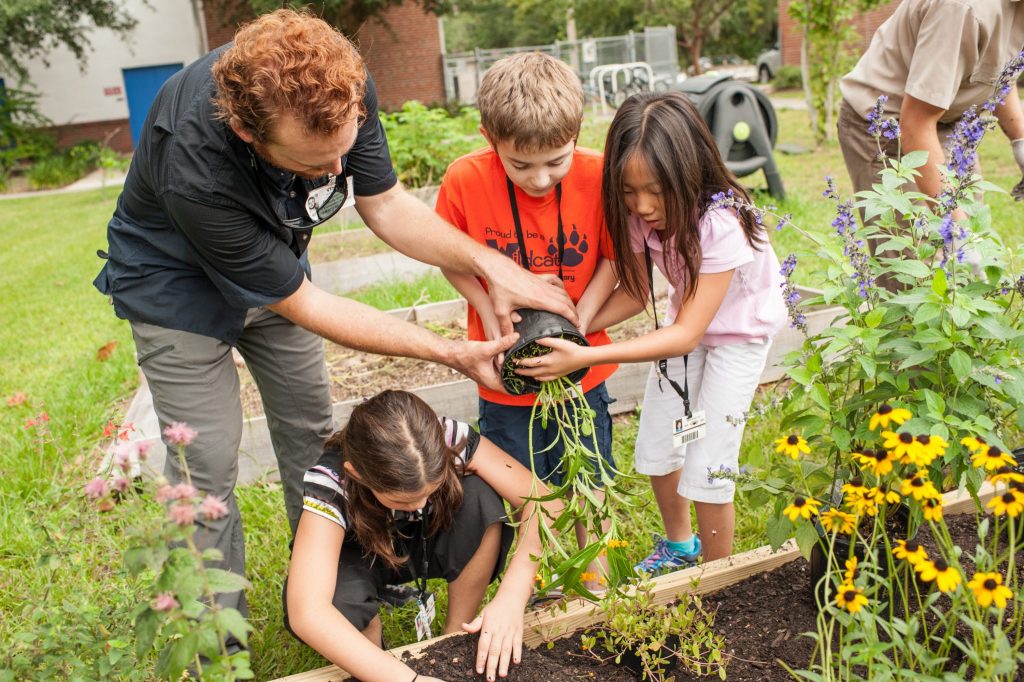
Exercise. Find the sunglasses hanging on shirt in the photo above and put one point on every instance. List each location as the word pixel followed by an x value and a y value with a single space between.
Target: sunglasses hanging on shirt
pixel 324 197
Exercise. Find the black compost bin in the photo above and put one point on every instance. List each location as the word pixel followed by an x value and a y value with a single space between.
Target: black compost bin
pixel 743 123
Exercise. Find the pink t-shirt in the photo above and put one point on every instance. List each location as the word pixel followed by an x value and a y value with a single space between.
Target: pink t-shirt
pixel 753 308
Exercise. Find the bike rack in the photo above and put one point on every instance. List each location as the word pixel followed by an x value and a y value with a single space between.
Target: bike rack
pixel 598 74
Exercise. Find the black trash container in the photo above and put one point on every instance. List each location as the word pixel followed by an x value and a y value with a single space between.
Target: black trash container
pixel 743 123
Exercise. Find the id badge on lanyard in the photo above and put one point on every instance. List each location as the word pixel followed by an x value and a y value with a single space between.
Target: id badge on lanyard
pixel 426 612
pixel 692 425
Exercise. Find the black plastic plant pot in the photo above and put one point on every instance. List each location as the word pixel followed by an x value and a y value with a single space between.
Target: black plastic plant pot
pixel 631 661
pixel 897 528
pixel 534 325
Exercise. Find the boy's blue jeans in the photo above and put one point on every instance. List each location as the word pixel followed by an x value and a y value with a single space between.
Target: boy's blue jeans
pixel 508 427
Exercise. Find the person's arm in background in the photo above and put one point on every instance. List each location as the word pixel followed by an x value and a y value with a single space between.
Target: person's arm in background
pixel 410 226
pixel 595 296
pixel 471 289
pixel 1011 120
pixel 919 132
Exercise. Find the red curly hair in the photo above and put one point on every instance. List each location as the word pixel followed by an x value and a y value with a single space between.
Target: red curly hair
pixel 294 62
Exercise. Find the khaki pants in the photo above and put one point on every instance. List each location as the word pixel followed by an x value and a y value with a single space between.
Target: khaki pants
pixel 193 379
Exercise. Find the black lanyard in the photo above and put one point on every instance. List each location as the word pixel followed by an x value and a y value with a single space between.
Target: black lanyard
pixel 524 257
pixel 420 577
pixel 684 391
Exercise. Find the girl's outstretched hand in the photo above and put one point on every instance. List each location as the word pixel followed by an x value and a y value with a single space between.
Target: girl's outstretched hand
pixel 500 625
pixel 564 358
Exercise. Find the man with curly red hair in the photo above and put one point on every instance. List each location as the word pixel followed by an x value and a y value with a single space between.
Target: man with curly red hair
pixel 243 153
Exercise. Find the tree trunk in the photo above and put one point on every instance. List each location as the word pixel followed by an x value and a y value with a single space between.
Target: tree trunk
pixel 805 75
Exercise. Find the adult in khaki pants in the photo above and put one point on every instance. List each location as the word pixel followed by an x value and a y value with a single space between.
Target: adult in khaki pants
pixel 933 59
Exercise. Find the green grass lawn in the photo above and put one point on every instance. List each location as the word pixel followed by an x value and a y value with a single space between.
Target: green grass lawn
pixel 61 580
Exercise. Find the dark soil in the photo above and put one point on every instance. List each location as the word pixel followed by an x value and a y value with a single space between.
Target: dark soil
pixel 762 619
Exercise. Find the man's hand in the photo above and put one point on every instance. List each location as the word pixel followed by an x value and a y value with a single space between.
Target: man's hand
pixel 511 287
pixel 1018 155
pixel 475 359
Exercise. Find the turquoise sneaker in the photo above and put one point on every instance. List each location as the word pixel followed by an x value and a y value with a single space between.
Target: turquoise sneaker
pixel 664 560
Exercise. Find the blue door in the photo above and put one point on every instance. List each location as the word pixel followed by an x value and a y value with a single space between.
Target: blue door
pixel 140 87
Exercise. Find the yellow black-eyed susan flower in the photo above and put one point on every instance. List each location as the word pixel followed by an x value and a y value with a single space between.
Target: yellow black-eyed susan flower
pixel 932 508
pixel 898 443
pixel 992 458
pixel 838 521
pixel 890 496
pixel 946 577
pixel 792 446
pixel 926 448
pixel 974 443
pixel 850 574
pixel 911 552
pixel 617 544
pixel 1010 503
pixel 918 486
pixel 887 413
pixel 802 507
pixel 850 598
pixel 860 499
pixel 988 589
pixel 1008 475
pixel 878 462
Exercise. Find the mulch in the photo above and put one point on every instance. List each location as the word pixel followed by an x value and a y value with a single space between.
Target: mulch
pixel 761 617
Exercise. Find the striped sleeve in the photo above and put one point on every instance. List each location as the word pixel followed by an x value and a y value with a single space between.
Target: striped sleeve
pixel 456 432
pixel 323 492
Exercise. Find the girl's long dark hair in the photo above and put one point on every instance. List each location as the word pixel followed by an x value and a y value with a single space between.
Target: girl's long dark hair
pixel 396 444
pixel 666 131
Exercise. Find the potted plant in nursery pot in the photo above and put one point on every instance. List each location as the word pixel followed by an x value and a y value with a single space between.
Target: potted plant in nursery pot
pixel 946 338
pixel 532 326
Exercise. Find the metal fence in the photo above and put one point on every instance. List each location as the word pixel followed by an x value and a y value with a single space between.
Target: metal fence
pixel 656 45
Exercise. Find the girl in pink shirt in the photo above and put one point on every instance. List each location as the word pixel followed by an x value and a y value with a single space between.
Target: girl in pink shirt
pixel 662 173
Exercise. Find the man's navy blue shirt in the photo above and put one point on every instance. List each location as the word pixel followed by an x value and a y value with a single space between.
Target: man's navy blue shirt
pixel 195 240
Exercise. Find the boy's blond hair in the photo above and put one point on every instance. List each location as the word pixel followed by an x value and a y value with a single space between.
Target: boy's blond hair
pixel 531 99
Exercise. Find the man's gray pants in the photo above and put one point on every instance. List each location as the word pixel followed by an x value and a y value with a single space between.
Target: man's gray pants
pixel 193 379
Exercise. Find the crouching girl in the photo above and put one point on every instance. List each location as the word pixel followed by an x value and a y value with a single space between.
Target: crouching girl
pixel 401 495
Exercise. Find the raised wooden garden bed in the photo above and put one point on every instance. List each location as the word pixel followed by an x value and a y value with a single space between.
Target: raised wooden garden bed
pixel 711 577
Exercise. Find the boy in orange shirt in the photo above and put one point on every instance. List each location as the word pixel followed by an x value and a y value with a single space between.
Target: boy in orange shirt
pixel 531 109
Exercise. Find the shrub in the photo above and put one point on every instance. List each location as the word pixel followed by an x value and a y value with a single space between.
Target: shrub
pixel 424 141
pixel 62 169
pixel 788 77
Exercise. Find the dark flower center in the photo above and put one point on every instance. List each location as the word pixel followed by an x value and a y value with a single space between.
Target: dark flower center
pixel 1009 498
pixel 990 584
pixel 941 565
pixel 792 440
pixel 906 438
pixel 1004 470
pixel 799 502
pixel 913 546
pixel 1017 485
pixel 916 482
pixel 880 455
pixel 924 439
pixel 994 452
pixel 850 595
pixel 885 409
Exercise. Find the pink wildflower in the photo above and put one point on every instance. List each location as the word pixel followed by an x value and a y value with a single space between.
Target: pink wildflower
pixel 182 513
pixel 124 453
pixel 16 399
pixel 121 483
pixel 142 447
pixel 165 493
pixel 179 433
pixel 213 508
pixel 96 488
pixel 165 601
pixel 184 491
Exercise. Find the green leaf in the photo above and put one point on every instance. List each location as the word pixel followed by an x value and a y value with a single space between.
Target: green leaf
pixel 235 623
pixel 927 312
pixel 914 268
pixel 939 283
pixel 819 394
pixel 806 538
pixel 960 363
pixel 874 317
pixel 801 375
pixel 225 581
pixel 779 530
pixel 147 624
pixel 936 405
pixel 961 317
pixel 915 159
pixel 176 656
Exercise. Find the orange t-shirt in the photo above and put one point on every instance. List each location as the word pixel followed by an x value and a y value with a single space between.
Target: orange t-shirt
pixel 474 198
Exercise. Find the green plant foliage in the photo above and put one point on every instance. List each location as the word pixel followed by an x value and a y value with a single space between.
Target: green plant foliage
pixel 659 635
pixel 788 77
pixel 425 141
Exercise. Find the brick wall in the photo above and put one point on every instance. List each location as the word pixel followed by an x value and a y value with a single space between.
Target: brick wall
pixel 96 131
pixel 865 23
pixel 403 54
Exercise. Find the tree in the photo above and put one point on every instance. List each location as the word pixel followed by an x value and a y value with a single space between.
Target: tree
pixel 694 21
pixel 30 29
pixel 825 55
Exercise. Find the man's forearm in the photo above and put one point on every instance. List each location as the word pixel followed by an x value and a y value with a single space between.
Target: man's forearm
pixel 411 227
pixel 1010 116
pixel 361 327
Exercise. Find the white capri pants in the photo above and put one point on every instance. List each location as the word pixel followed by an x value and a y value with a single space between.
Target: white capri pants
pixel 722 383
